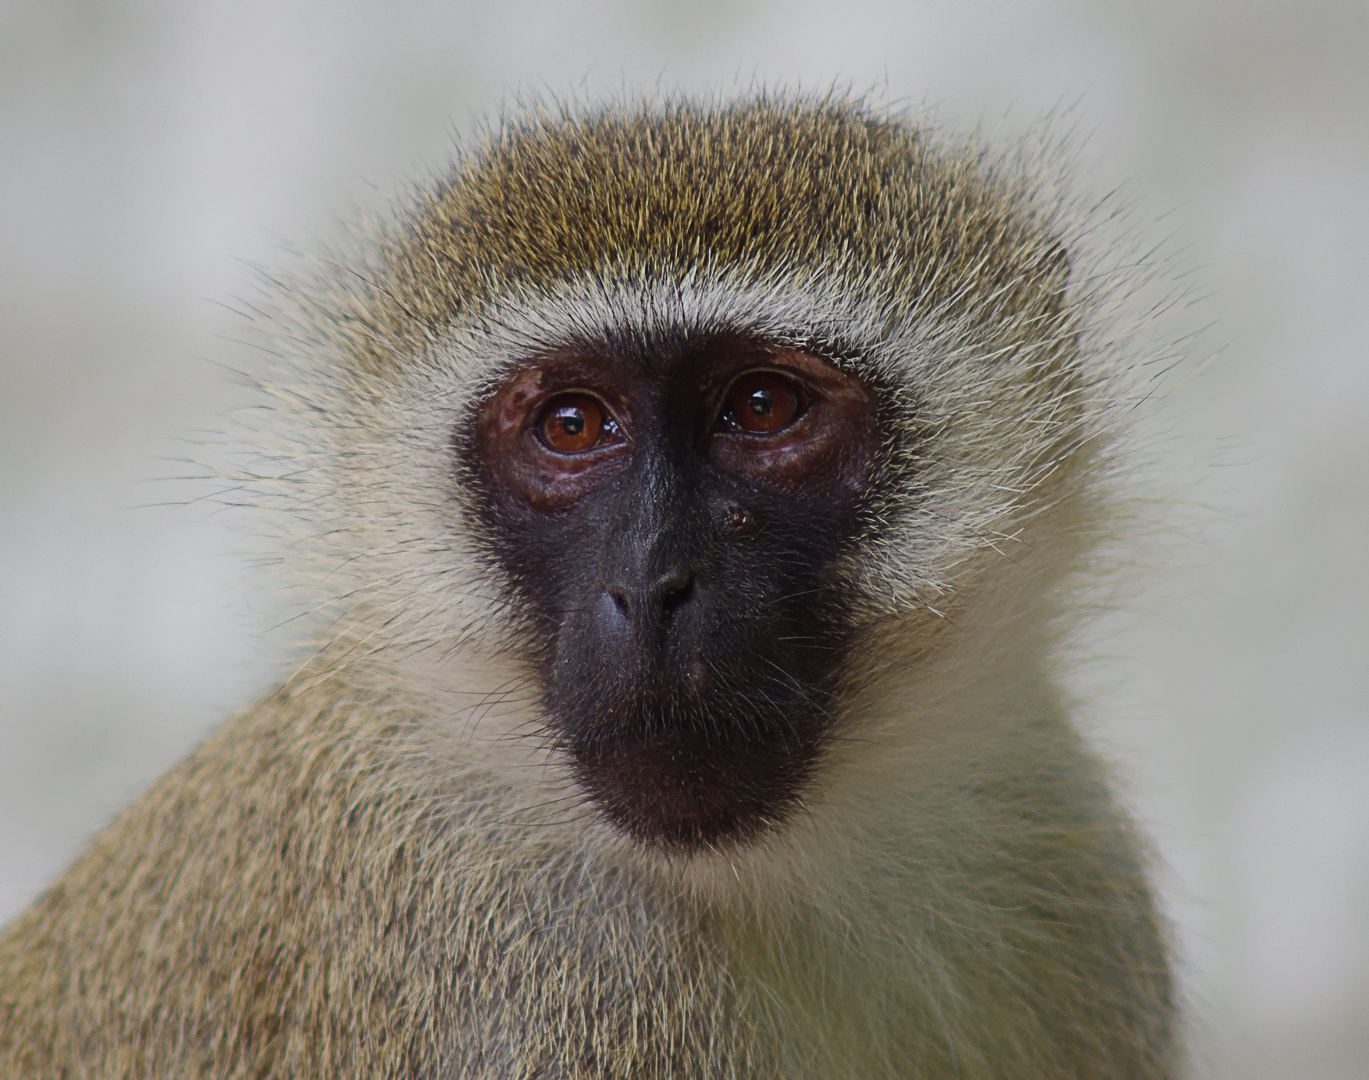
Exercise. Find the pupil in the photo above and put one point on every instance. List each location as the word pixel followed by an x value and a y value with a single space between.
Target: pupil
pixel 760 403
pixel 572 422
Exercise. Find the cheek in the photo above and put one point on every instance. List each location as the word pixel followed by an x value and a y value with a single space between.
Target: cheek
pixel 554 561
pixel 517 469
pixel 812 470
pixel 823 459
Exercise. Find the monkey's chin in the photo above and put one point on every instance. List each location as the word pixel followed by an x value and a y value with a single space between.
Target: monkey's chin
pixel 685 792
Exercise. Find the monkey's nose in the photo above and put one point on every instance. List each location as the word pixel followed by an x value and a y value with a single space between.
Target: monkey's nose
pixel 651 603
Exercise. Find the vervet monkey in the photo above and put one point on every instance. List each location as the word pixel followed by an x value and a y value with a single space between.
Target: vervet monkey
pixel 699 490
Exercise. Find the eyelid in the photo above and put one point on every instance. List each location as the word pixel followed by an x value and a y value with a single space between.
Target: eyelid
pixel 534 416
pixel 767 369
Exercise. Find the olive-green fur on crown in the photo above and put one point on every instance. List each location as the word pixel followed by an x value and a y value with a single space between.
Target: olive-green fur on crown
pixel 772 188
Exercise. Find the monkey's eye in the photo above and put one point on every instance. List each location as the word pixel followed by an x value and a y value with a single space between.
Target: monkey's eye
pixel 573 423
pixel 762 402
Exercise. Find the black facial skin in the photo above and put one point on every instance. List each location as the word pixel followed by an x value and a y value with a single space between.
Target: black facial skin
pixel 670 512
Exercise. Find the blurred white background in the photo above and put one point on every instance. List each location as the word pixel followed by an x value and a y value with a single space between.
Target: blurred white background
pixel 150 149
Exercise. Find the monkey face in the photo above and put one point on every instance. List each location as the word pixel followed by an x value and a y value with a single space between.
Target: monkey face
pixel 671 512
pixel 672 443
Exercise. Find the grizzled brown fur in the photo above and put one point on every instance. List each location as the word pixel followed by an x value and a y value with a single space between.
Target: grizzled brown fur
pixel 768 187
pixel 345 881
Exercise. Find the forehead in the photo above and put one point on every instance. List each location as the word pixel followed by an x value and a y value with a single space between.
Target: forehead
pixel 660 337
pixel 761 186
pixel 669 359
pixel 758 192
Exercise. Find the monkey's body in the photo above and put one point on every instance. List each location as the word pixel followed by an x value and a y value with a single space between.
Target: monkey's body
pixel 413 861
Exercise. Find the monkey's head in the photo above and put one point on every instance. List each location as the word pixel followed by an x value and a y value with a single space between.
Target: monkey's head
pixel 672 411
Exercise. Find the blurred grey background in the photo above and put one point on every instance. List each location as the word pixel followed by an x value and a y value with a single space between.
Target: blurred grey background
pixel 151 149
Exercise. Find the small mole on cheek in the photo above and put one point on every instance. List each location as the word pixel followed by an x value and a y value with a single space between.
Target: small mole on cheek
pixel 737 517
pixel 696 675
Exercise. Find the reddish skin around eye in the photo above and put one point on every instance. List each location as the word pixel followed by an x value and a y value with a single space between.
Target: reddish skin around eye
pixel 828 443
pixel 532 452
pixel 794 424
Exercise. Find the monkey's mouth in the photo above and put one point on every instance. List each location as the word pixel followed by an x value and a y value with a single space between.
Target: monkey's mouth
pixel 699 733
pixel 678 778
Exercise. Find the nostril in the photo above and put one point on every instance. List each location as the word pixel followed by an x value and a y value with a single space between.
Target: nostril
pixel 612 623
pixel 675 590
pixel 656 602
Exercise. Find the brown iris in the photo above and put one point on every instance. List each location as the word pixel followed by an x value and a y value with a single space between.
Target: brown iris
pixel 762 402
pixel 572 423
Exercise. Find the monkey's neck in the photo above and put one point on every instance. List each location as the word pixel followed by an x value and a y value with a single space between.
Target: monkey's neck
pixel 310 870
pixel 953 895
